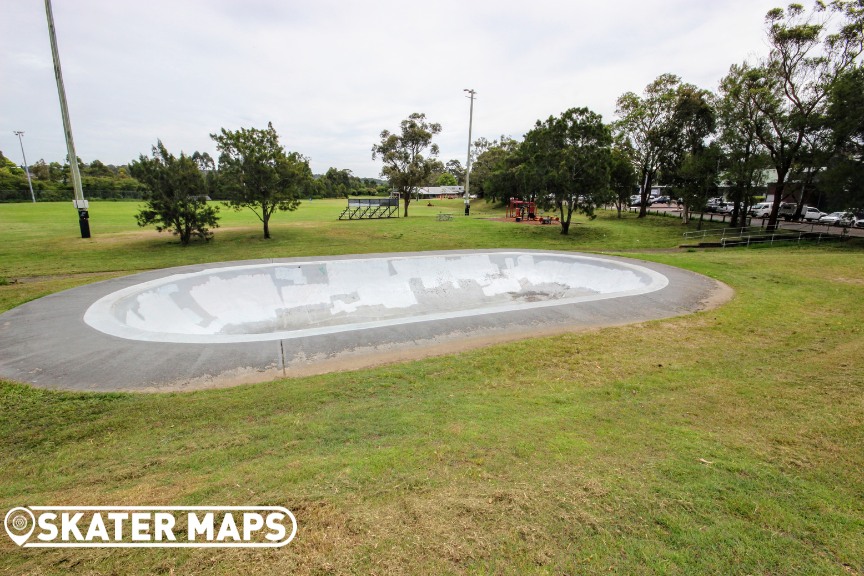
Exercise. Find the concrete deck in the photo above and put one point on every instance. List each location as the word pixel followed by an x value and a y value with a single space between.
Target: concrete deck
pixel 222 324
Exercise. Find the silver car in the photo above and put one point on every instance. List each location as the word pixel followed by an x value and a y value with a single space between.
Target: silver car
pixel 838 219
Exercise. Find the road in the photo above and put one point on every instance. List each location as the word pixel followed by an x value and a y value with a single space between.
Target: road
pixel 671 209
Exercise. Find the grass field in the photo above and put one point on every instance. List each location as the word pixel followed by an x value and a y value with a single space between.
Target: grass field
pixel 726 442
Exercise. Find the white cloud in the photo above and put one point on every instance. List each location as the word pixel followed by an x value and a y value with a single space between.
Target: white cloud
pixel 331 75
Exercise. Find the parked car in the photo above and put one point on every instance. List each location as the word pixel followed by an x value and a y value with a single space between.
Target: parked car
pixel 761 210
pixel 859 222
pixel 787 210
pixel 811 214
pixel 714 205
pixel 661 200
pixel 838 219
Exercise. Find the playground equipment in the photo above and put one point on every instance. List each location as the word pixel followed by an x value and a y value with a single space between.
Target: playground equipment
pixel 521 209
pixel 370 208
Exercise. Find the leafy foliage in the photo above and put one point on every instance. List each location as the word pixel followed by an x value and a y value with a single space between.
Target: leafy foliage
pixel 494 175
pixel 405 166
pixel 569 158
pixel 622 177
pixel 646 124
pixel 52 182
pixel 447 179
pixel 688 165
pixel 844 179
pixel 259 174
pixel 787 91
pixel 176 200
pixel 744 156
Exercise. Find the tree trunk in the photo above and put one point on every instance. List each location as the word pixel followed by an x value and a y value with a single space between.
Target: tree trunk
pixel 646 190
pixel 799 208
pixel 736 212
pixel 779 191
pixel 407 197
pixel 565 221
pixel 266 220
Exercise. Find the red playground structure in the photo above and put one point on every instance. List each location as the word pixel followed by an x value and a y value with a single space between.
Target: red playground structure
pixel 521 210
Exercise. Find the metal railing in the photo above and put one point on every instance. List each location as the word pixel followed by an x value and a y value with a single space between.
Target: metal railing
pixel 721 232
pixel 780 236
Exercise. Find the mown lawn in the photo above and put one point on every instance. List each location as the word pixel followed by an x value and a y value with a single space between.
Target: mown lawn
pixel 726 442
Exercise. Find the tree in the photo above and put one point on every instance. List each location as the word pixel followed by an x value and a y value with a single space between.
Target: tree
pixel 455 168
pixel 788 89
pixel 696 178
pixel 622 177
pixel 436 170
pixel 175 200
pixel 682 160
pixel 97 168
pixel 744 157
pixel 207 166
pixel 569 158
pixel 402 154
pixel 844 178
pixel 493 174
pixel 259 174
pixel 447 179
pixel 336 183
pixel 645 123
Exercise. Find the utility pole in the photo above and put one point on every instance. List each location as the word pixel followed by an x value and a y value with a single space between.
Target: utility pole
pixel 20 134
pixel 80 203
pixel 471 94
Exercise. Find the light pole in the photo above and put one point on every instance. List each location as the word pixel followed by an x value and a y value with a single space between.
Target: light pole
pixel 80 203
pixel 471 94
pixel 20 134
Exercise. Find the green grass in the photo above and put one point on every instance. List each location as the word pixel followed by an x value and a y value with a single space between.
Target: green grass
pixel 725 442
pixel 117 244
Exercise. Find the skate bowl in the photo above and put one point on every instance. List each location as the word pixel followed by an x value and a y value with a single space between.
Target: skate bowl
pixel 230 323
pixel 274 301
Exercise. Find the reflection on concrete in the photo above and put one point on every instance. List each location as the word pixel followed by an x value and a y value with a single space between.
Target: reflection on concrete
pixel 277 301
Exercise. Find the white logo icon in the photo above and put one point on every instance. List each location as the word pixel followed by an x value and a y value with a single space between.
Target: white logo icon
pixel 19 523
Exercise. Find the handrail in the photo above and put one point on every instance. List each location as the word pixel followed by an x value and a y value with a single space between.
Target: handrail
pixel 722 232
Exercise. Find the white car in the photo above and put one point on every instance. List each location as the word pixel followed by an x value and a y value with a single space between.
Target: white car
pixel 811 214
pixel 761 210
pixel 838 219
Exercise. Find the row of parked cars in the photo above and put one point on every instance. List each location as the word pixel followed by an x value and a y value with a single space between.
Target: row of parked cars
pixel 636 200
pixel 763 210
pixel 809 214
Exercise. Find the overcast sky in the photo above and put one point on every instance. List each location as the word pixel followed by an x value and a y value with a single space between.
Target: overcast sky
pixel 331 75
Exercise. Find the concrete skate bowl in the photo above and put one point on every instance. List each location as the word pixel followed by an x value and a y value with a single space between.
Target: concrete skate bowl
pixel 231 323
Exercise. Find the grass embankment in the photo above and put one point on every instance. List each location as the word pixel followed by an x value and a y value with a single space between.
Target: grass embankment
pixel 726 442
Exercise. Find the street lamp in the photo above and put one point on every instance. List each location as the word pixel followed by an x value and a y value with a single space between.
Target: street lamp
pixel 471 94
pixel 20 134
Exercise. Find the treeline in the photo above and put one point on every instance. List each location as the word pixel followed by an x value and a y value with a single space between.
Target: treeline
pixel 53 182
pixel 796 113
